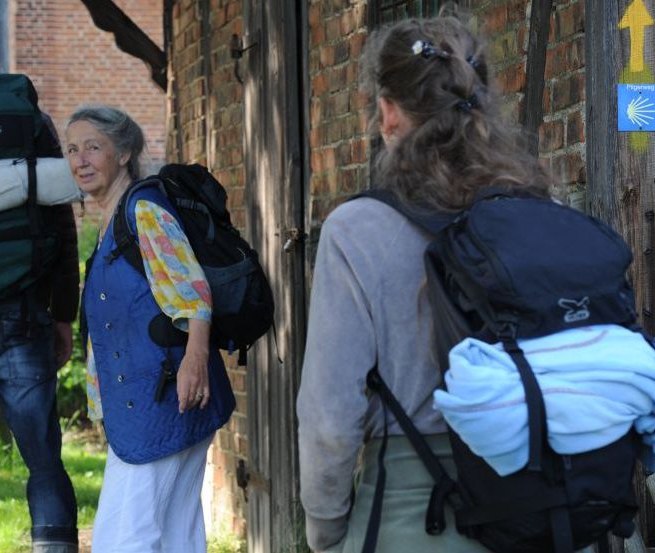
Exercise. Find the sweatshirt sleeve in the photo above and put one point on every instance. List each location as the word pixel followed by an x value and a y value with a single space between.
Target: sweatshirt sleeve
pixel 65 283
pixel 332 401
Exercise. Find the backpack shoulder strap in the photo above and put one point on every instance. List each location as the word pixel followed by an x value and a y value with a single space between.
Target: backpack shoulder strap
pixel 124 236
pixel 428 219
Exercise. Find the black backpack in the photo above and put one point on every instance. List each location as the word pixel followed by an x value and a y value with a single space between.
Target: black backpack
pixel 500 271
pixel 242 299
pixel 28 241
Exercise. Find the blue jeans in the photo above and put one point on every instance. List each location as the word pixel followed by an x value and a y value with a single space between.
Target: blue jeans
pixel 28 379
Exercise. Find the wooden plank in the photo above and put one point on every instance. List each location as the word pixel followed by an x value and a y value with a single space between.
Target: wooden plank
pixel 620 165
pixel 259 513
pixel 533 111
pixel 635 544
pixel 650 485
pixel 286 133
pixel 274 154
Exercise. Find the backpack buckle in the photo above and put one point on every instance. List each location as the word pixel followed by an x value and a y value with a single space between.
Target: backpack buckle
pixel 435 517
pixel 508 329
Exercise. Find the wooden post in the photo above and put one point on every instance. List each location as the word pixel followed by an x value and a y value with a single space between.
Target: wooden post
pixel 274 154
pixel 621 166
pixel 533 110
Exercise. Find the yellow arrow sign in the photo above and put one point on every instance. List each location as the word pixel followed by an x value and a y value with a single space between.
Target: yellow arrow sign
pixel 636 18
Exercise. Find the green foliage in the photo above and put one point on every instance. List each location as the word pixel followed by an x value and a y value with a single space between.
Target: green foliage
pixel 87 237
pixel 85 465
pixel 71 390
pixel 226 543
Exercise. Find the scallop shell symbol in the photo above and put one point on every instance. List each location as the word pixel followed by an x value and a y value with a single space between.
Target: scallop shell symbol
pixel 640 111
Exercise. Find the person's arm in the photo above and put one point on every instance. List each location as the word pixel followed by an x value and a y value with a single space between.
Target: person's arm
pixel 63 342
pixel 65 283
pixel 332 402
pixel 192 378
pixel 181 291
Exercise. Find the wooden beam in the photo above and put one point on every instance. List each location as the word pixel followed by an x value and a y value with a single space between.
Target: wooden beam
pixel 533 112
pixel 129 37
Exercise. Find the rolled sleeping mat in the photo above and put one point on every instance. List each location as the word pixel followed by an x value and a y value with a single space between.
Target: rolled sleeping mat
pixel 54 182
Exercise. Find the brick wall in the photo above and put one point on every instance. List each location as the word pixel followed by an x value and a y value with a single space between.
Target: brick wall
pixel 72 62
pixel 563 132
pixel 338 143
pixel 338 147
pixel 221 101
pixel 562 135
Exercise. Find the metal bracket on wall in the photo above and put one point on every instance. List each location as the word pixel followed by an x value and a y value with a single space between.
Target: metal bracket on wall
pixel 237 49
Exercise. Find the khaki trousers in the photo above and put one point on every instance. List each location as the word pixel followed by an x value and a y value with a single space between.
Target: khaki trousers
pixel 406 496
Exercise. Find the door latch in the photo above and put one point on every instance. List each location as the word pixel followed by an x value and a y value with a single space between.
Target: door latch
pixel 243 477
pixel 294 235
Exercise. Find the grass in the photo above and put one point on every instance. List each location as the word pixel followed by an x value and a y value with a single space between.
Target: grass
pixel 85 464
pixel 85 460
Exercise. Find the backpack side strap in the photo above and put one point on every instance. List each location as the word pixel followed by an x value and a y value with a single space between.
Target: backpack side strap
pixel 534 401
pixel 444 486
pixel 375 518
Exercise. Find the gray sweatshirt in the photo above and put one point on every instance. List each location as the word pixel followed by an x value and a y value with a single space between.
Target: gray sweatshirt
pixel 369 304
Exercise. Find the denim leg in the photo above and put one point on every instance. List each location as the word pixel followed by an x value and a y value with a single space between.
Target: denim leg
pixel 28 378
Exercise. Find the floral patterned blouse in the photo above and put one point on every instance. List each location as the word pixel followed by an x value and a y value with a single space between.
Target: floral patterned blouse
pixel 175 277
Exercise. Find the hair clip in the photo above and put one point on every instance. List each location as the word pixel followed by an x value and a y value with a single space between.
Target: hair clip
pixel 468 105
pixel 473 62
pixel 426 49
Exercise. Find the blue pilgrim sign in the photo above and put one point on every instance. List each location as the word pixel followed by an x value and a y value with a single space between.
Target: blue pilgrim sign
pixel 636 107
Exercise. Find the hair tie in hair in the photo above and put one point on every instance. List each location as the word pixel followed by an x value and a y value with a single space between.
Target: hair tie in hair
pixel 473 62
pixel 468 105
pixel 426 49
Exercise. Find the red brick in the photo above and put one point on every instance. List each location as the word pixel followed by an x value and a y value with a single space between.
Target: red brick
pixel 568 21
pixel 575 132
pixel 568 91
pixel 569 167
pixel 551 136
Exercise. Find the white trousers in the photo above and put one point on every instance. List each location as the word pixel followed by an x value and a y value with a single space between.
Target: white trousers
pixel 154 507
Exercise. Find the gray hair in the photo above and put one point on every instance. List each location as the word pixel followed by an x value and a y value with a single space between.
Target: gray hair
pixel 125 134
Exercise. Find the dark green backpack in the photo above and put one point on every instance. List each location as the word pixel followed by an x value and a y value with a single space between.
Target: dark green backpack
pixel 28 241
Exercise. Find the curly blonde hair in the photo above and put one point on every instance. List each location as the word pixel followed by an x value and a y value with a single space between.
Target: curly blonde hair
pixel 436 71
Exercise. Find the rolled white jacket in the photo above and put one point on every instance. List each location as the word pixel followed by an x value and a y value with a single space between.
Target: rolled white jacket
pixel 596 382
pixel 54 182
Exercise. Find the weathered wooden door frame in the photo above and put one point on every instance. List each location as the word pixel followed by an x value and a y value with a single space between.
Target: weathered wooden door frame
pixel 620 179
pixel 275 160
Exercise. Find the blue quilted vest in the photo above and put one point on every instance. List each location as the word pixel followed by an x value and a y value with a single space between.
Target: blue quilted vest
pixel 119 307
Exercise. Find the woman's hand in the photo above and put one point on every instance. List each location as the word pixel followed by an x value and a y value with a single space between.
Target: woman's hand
pixel 192 376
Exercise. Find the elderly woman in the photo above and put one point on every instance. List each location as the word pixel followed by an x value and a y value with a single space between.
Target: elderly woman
pixel 160 406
